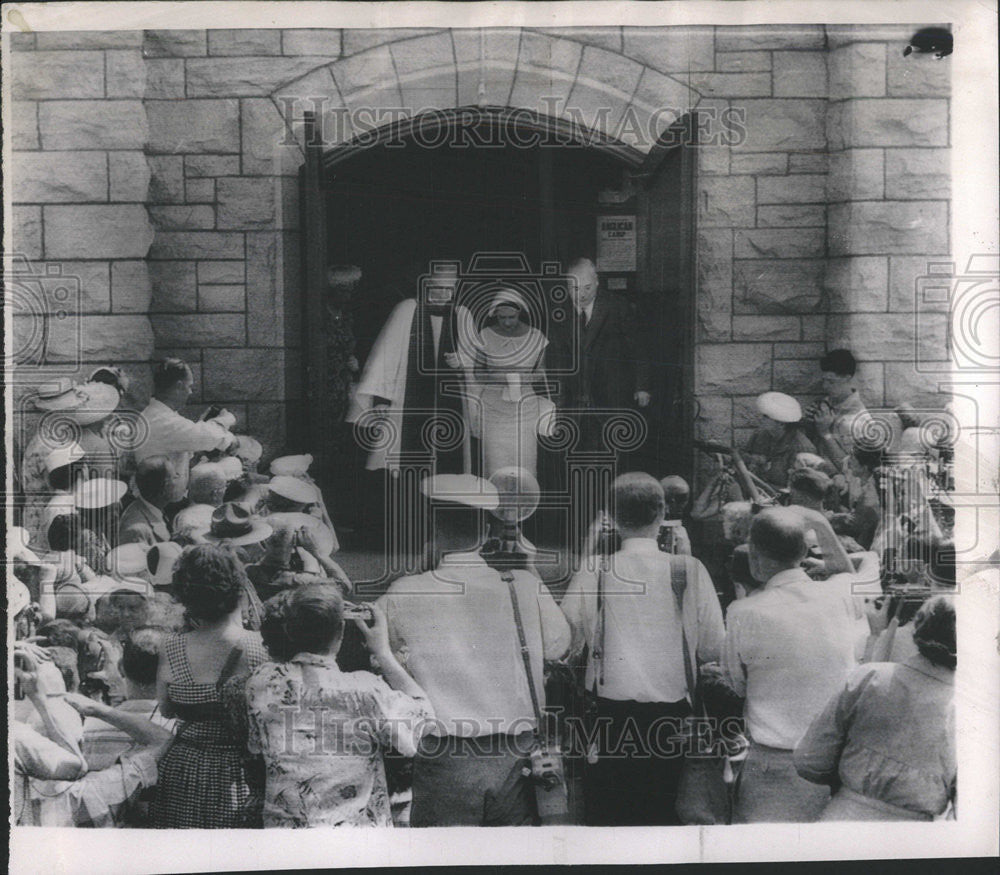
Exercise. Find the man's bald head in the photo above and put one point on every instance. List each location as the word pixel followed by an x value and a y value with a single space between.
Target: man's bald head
pixel 582 282
pixel 778 534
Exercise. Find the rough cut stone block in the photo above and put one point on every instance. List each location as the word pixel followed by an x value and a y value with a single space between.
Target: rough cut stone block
pixel 609 38
pixel 713 159
pixel 126 73
pixel 792 216
pixel 57 75
pixel 856 175
pixel 166 181
pixel 713 421
pixel 130 176
pixel 92 124
pixel 422 53
pixel 783 124
pixel 800 74
pixel 889 338
pixel 769 36
pixel 196 166
pixel 250 41
pixel 193 125
pixel 765 328
pixel 197 244
pixel 131 287
pixel 727 202
pixel 181 217
pixel 814 327
pixel 26 233
pixel 888 227
pixel 311 41
pixel 780 243
pixel 715 284
pixel 369 69
pixel 903 382
pixel 164 78
pixel 774 287
pixel 173 285
pixel 671 49
pixel 531 85
pixel 88 282
pixel 243 375
pixel 838 35
pixel 742 62
pixel 889 122
pixel 84 39
pixel 24 124
pixel 102 339
pixel 918 173
pixel 95 231
pixel 801 188
pixel 796 377
pixel 803 350
pixel 667 99
pixel 199 191
pixel 758 162
pixel 857 284
pixel 857 70
pixel 808 162
pixel 174 43
pixel 731 368
pixel 596 109
pixel 58 177
pixel 264 291
pixel 608 70
pixel 267 423
pixel 222 299
pixel 358 39
pixel 244 77
pixel 924 282
pixel 245 203
pixel 264 137
pixel 186 331
pixel 732 84
pixel 918 76
pixel 221 272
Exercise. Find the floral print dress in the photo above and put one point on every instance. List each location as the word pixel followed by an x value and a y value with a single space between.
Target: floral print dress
pixel 322 733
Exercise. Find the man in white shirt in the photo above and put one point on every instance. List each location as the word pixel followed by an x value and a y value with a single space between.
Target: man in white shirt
pixel 454 630
pixel 169 434
pixel 637 658
pixel 787 651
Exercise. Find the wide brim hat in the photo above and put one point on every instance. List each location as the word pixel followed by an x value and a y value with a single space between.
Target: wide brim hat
pixel 294 489
pixel 779 407
pixel 104 584
pixel 18 596
pixel 62 456
pixel 295 520
pixel 231 467
pixel 127 560
pixel 84 404
pixel 236 524
pixel 248 449
pixel 163 556
pixel 291 466
pixel 465 489
pixel 195 519
pixel 99 492
pixel 59 394
pixel 18 539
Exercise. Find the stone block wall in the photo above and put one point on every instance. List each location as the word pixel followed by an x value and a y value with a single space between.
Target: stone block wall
pixel 158 165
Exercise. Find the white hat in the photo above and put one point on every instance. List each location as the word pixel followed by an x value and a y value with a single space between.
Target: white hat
pixel 84 404
pixel 160 561
pixel 18 596
pixel 99 492
pixel 291 465
pixel 104 584
pixel 231 467
pixel 126 560
pixel 18 539
pixel 248 448
pixel 294 489
pixel 779 407
pixel 195 519
pixel 464 489
pixel 509 298
pixel 61 456
pixel 294 520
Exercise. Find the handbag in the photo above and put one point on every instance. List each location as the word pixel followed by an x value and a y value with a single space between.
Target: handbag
pixel 703 795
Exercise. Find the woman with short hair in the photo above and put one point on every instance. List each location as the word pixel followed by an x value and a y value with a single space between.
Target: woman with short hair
pixel 331 775
pixel 205 779
pixel 886 742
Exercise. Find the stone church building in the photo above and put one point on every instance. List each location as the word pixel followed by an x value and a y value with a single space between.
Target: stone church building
pixel 169 199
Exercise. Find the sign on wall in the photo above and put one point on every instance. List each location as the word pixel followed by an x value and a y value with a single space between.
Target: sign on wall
pixel 616 244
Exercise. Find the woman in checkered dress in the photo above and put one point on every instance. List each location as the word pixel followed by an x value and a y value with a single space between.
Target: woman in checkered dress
pixel 207 780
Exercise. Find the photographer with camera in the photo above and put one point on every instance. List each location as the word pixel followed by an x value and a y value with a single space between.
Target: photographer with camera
pixel 635 614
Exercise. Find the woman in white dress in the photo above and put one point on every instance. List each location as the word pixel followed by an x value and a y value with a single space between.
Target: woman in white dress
pixel 509 363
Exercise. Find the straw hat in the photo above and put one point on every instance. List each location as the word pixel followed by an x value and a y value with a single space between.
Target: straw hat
pixel 195 520
pixel 293 520
pixel 99 492
pixel 291 466
pixel 18 596
pixel 779 407
pixel 62 456
pixel 160 561
pixel 235 523
pixel 126 560
pixel 84 404
pixel 294 489
pixel 464 489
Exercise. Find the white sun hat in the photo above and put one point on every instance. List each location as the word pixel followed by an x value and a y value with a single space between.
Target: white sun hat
pixel 779 407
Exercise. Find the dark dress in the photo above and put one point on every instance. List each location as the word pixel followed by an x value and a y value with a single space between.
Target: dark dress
pixel 207 780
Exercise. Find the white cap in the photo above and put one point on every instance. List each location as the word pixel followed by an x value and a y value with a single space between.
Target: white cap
pixel 779 407
pixel 99 492
pixel 464 489
pixel 291 465
pixel 126 560
pixel 62 456
pixel 294 489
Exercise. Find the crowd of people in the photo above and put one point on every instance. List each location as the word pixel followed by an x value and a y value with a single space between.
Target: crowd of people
pixel 189 654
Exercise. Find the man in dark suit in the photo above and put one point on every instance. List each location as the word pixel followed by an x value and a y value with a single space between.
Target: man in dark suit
pixel 598 364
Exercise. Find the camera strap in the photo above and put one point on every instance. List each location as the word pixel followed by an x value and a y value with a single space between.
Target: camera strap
pixel 508 578
pixel 678 582
pixel 597 651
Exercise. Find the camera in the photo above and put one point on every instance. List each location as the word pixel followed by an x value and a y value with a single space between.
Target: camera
pixel 354 611
pixel 666 539
pixel 546 774
pixel 608 539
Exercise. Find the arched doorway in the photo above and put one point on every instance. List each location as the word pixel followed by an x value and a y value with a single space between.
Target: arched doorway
pixel 450 184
